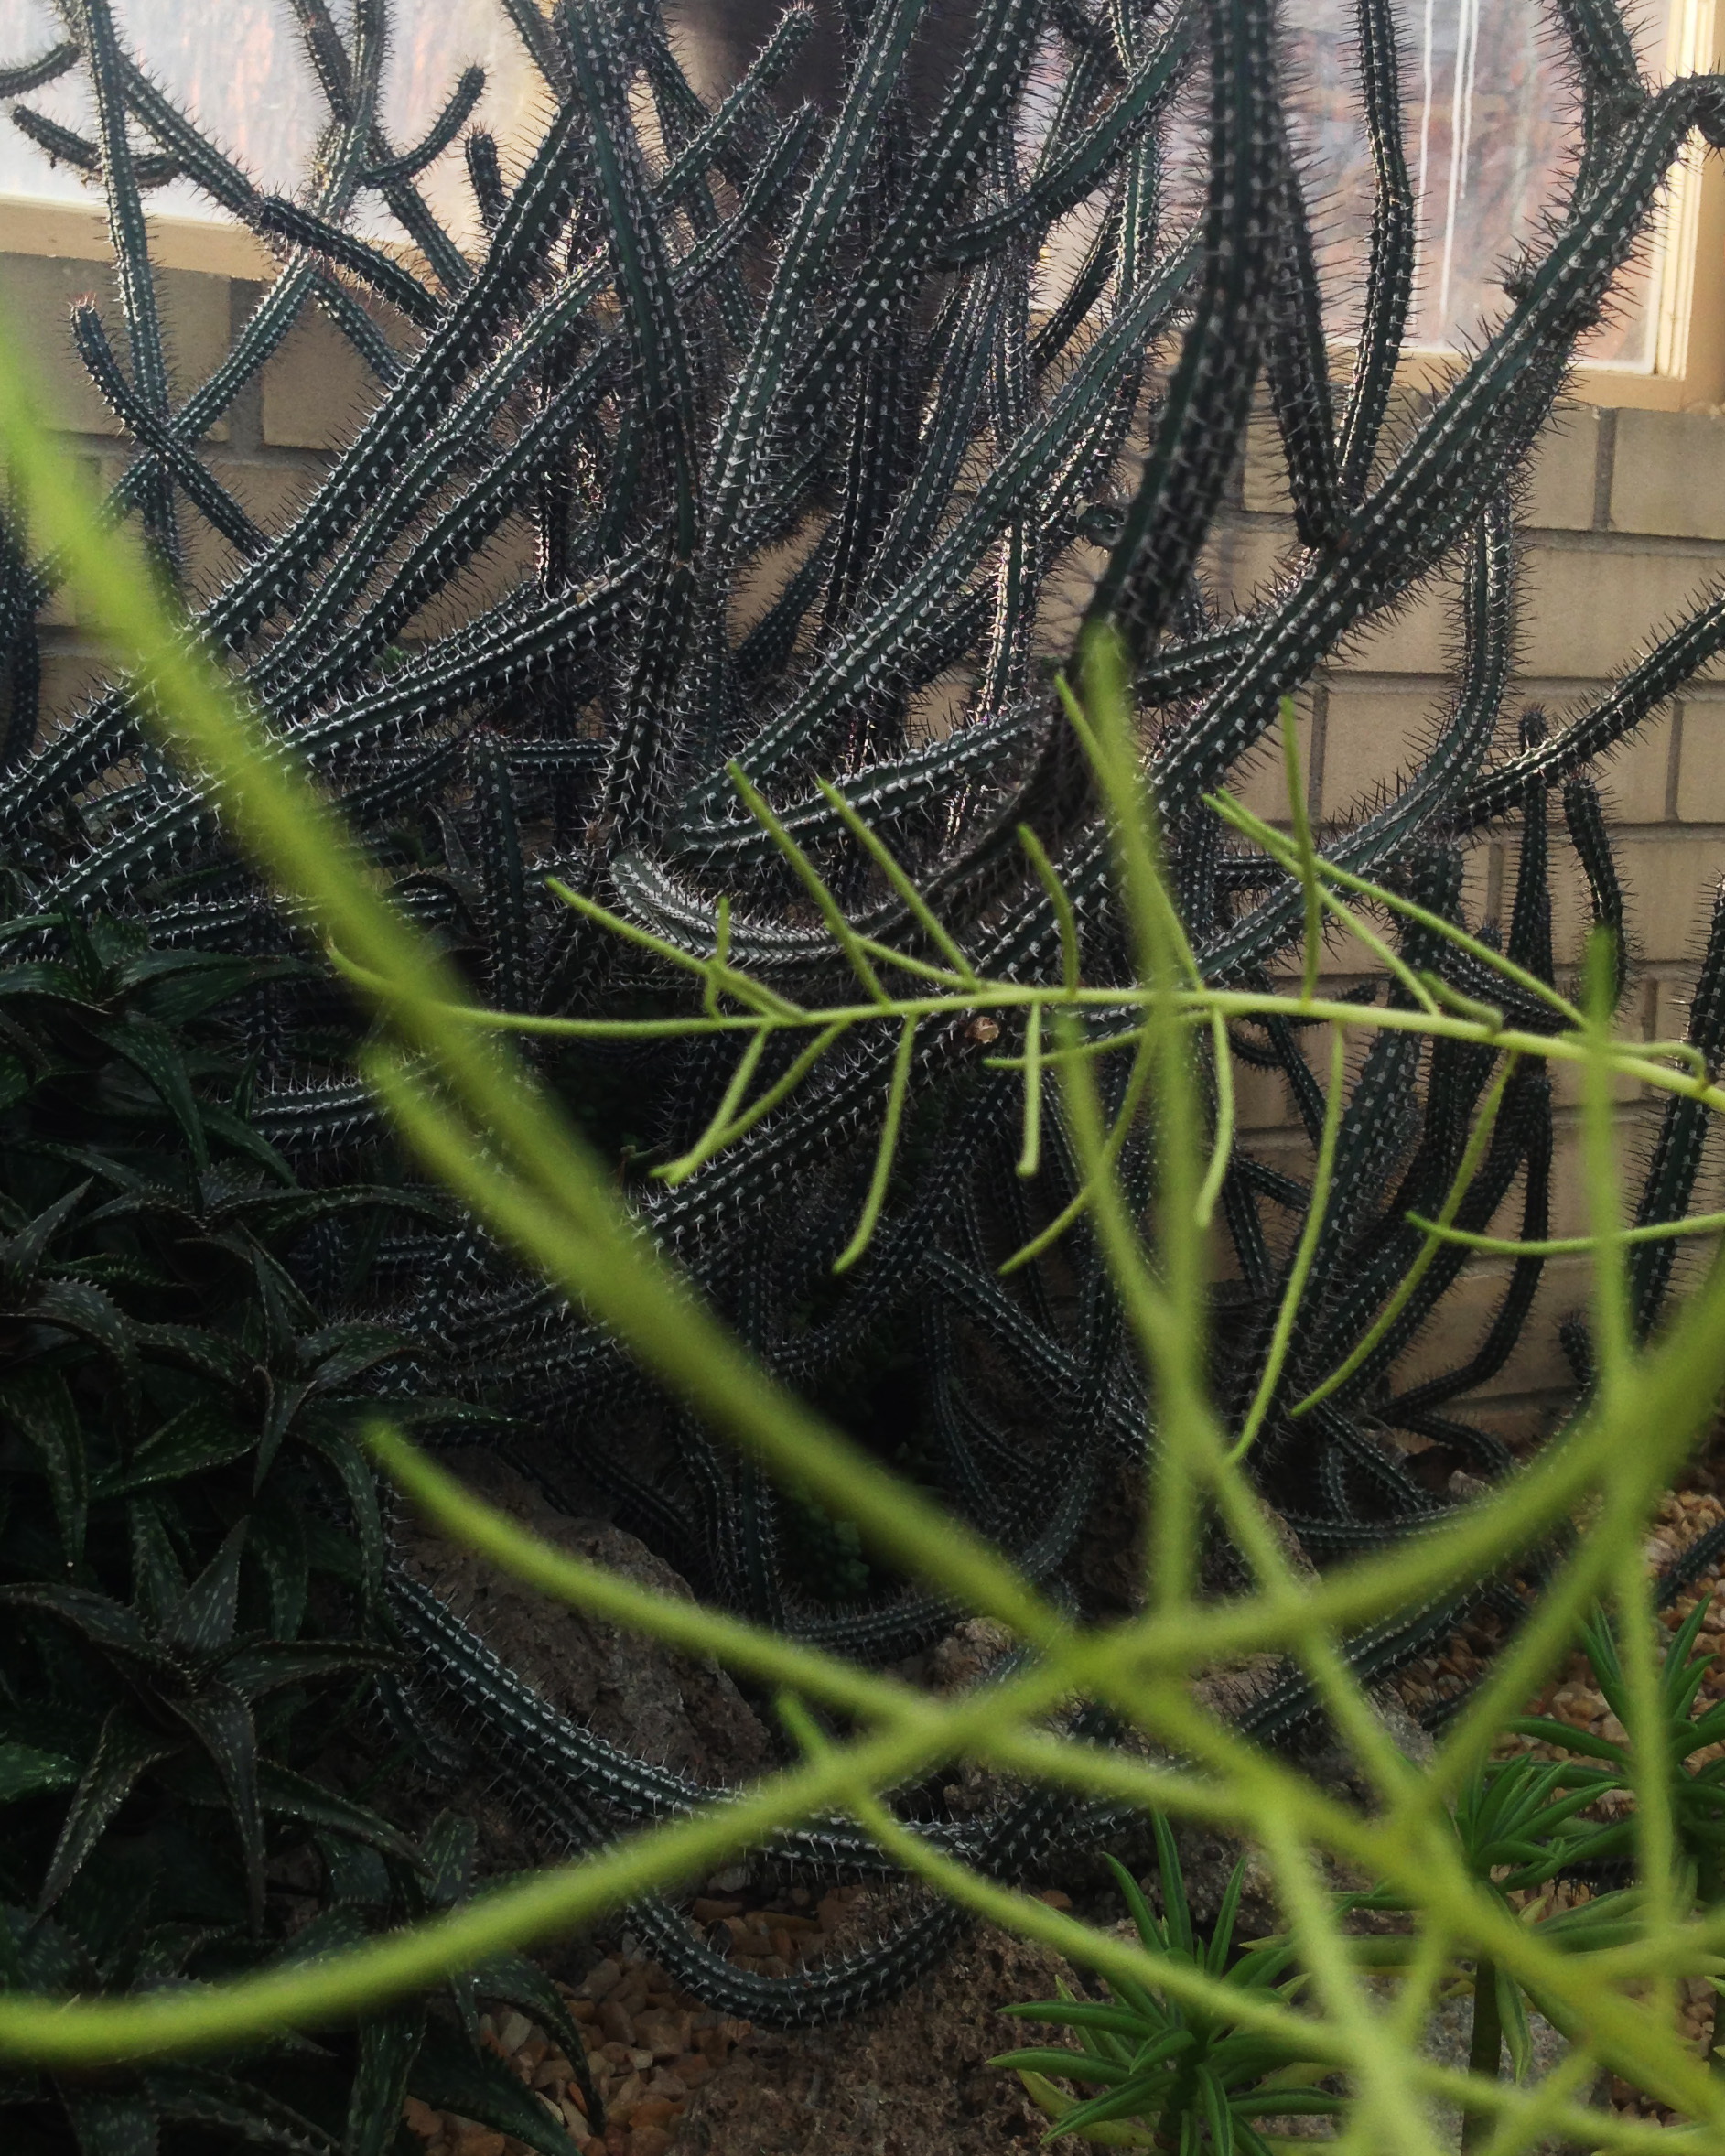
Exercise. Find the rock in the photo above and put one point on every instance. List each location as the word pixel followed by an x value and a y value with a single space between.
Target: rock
pixel 705 1909
pixel 1448 2040
pixel 614 2018
pixel 648 2140
pixel 652 2111
pixel 630 1690
pixel 601 1980
pixel 663 2038
pixel 968 1653
pixel 621 2109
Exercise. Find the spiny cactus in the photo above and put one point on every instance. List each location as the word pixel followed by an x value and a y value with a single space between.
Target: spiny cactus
pixel 698 339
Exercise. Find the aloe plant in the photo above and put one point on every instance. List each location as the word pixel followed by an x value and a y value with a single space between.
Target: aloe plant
pixel 756 332
pixel 192 1616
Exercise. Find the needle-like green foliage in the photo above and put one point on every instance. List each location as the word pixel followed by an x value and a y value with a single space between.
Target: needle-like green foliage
pixel 1186 2078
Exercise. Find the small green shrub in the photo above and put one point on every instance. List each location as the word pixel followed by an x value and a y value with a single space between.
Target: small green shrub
pixel 191 1566
pixel 1190 2076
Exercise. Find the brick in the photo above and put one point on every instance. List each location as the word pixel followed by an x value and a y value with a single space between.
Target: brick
pixel 1246 563
pixel 1370 736
pixel 1420 637
pixel 269 493
pixel 1668 474
pixel 1568 1083
pixel 1260 1098
pixel 503 564
pixel 317 388
pixel 36 295
pixel 1520 1424
pixel 68 678
pixel 1670 883
pixel 1572 903
pixel 1460 1323
pixel 1633 782
pixel 1260 780
pixel 1701 763
pixel 1562 480
pixel 1264 474
pixel 1346 953
pixel 1671 1017
pixel 1569 1213
pixel 1585 612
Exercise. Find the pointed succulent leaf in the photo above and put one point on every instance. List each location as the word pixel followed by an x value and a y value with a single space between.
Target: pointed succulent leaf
pixel 22 1253
pixel 26 1768
pixel 125 1754
pixel 272 1664
pixel 157 1581
pixel 519 1982
pixel 151 1047
pixel 388 2045
pixel 105 1623
pixel 196 1348
pixel 276 1546
pixel 451 2075
pixel 359 1487
pixel 38 1405
pixel 220 1720
pixel 90 1313
pixel 241 2114
pixel 201 1623
pixel 198 1437
pixel 110 2122
pixel 238 1135
pixel 447 1856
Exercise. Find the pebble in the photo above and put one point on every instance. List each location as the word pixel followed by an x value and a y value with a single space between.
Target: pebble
pixel 705 1910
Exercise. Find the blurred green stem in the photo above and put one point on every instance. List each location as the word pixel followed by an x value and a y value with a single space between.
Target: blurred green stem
pixel 1486 2050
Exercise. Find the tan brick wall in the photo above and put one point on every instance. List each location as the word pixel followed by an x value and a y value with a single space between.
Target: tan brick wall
pixel 1624 522
pixel 1622 526
pixel 276 440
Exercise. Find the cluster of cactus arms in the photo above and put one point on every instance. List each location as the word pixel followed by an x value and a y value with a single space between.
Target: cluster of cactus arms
pixel 821 476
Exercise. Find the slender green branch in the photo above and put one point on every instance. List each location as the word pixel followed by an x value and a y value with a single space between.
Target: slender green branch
pixel 1460 1185
pixel 1300 1272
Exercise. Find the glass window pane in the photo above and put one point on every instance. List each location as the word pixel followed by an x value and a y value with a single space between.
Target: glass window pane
pixel 239 67
pixel 1490 113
